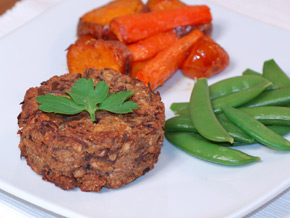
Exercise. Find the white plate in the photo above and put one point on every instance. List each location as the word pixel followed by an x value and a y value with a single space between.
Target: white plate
pixel 179 185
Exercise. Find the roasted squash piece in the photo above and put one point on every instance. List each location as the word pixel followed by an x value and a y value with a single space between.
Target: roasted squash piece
pixel 94 53
pixel 206 59
pixel 96 22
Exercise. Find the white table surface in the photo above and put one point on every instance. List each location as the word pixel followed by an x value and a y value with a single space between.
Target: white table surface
pixel 272 12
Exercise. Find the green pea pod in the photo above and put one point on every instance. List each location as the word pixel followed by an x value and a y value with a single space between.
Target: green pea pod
pixel 275 74
pixel 278 97
pixel 183 112
pixel 239 98
pixel 184 124
pixel 177 106
pixel 248 72
pixel 252 72
pixel 180 108
pixel 202 114
pixel 256 129
pixel 270 115
pixel 200 148
pixel 229 86
pixel 234 131
pixel 280 130
pixel 235 84
pixel 180 124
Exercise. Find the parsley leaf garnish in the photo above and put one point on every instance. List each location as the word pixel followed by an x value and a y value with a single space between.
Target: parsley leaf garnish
pixel 85 97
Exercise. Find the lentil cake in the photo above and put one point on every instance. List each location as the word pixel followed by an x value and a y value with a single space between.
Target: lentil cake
pixel 72 151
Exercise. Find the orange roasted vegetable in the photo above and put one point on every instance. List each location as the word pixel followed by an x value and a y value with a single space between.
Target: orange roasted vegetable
pixel 137 66
pixel 149 47
pixel 166 62
pixel 206 59
pixel 98 54
pixel 184 30
pixel 96 22
pixel 158 5
pixel 131 28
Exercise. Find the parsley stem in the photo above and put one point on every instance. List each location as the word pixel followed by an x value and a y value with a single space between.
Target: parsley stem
pixel 93 116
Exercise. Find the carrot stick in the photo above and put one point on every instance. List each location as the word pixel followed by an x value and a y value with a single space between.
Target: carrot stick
pixel 131 28
pixel 166 62
pixel 149 47
pixel 137 66
pixel 157 5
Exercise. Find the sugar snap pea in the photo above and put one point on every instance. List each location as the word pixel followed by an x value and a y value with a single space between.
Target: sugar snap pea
pixel 183 123
pixel 248 72
pixel 202 114
pixel 234 131
pixel 235 99
pixel 235 84
pixel 275 74
pixel 180 124
pixel 255 73
pixel 270 115
pixel 256 129
pixel 183 112
pixel 177 106
pixel 280 130
pixel 203 149
pixel 277 97
pixel 239 98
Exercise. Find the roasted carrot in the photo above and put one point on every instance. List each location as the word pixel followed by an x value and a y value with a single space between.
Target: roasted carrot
pixel 96 22
pixel 206 58
pixel 167 61
pixel 98 54
pixel 157 5
pixel 149 47
pixel 205 28
pixel 137 66
pixel 131 28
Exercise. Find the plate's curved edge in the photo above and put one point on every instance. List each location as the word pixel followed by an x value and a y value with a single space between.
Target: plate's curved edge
pixel 39 203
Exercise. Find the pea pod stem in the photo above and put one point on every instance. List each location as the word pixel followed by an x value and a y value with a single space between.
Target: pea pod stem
pixel 203 149
pixel 256 129
pixel 203 117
